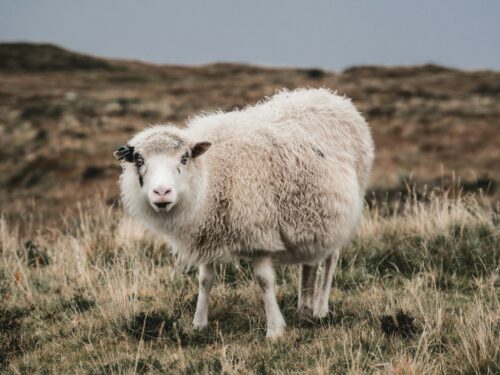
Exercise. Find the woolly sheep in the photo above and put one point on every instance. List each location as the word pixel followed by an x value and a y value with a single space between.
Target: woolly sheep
pixel 279 182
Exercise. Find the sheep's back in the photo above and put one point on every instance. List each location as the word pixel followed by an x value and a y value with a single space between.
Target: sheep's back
pixel 288 176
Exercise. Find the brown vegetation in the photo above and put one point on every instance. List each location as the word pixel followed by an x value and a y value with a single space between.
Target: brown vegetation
pixel 59 124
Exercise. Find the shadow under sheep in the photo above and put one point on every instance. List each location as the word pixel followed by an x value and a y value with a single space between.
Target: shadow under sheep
pixel 157 325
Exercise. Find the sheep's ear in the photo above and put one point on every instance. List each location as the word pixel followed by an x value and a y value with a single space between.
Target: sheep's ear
pixel 124 153
pixel 199 149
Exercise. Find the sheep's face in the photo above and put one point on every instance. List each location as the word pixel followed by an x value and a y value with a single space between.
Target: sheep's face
pixel 163 175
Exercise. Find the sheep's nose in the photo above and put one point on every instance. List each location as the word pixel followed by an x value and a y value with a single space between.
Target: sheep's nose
pixel 162 190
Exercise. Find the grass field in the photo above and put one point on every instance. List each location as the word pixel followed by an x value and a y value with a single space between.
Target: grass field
pixel 417 292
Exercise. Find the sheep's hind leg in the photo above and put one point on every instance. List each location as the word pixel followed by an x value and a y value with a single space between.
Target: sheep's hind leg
pixel 264 274
pixel 321 302
pixel 306 288
pixel 205 280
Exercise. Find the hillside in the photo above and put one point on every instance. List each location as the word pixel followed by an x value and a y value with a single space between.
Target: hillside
pixel 28 57
pixel 62 114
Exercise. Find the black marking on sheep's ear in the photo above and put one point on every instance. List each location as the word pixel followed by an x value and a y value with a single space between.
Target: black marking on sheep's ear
pixel 124 153
pixel 199 149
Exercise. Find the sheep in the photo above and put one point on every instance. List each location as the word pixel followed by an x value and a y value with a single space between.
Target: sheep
pixel 280 182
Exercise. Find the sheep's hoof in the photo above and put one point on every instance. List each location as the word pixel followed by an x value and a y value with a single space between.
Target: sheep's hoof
pixel 275 333
pixel 276 330
pixel 198 326
pixel 320 308
pixel 320 311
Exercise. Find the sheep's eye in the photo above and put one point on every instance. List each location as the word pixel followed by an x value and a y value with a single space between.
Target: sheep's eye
pixel 184 158
pixel 139 160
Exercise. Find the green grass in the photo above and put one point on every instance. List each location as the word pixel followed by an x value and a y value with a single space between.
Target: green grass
pixel 110 299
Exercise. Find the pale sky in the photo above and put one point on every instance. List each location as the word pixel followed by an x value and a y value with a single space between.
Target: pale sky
pixel 327 34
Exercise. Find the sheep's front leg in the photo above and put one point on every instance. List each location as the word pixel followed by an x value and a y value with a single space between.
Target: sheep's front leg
pixel 205 280
pixel 306 288
pixel 264 274
pixel 321 303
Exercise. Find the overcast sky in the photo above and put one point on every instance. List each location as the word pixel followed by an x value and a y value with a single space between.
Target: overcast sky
pixel 328 34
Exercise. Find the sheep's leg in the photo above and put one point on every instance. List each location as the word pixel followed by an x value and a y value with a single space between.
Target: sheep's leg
pixel 306 289
pixel 205 280
pixel 264 274
pixel 321 303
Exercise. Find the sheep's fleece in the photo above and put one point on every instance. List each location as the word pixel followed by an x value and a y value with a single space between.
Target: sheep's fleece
pixel 284 178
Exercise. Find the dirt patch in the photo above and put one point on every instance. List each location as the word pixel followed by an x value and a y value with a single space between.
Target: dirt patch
pixel 401 324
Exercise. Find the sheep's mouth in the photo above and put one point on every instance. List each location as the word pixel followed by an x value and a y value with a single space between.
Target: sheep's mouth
pixel 162 206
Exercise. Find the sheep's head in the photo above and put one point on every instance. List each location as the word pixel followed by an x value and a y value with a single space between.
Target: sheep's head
pixel 161 165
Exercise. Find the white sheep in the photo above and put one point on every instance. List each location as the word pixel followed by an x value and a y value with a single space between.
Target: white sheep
pixel 280 182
